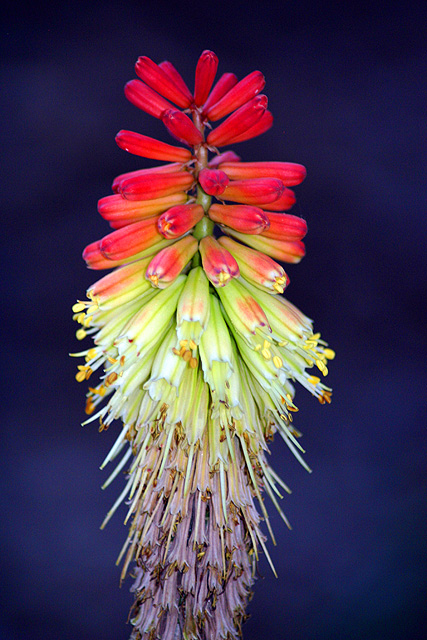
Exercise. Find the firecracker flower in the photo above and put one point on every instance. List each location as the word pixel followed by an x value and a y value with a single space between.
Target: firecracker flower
pixel 195 350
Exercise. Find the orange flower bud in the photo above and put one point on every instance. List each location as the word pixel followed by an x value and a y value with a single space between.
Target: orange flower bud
pixel 121 212
pixel 284 251
pixel 218 263
pixel 166 168
pixel 288 172
pixel 284 226
pixel 286 201
pixel 130 240
pixel 258 191
pixel 240 217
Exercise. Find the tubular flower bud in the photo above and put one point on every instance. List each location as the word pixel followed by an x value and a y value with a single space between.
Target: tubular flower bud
pixel 239 122
pixel 194 350
pixel 284 226
pixel 180 127
pixel 169 262
pixel 238 95
pixel 205 75
pixel 240 217
pixel 289 173
pixel 256 267
pixel 257 192
pixel 150 148
pixel 120 212
pixel 263 125
pixel 212 181
pixel 146 99
pixel 283 250
pixel 218 263
pixel 176 77
pixel 155 185
pixel 224 84
pixel 178 220
pixel 158 80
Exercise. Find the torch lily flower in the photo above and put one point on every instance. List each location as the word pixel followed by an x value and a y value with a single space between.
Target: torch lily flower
pixel 194 350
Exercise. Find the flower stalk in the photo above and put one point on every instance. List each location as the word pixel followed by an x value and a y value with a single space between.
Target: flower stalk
pixel 195 351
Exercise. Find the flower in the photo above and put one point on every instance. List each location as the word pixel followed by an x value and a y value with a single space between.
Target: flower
pixel 194 349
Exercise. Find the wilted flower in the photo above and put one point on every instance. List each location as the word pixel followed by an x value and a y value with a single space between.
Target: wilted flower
pixel 197 350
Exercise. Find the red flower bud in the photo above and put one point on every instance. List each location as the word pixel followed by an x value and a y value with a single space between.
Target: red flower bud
pixel 176 221
pixel 243 91
pixel 146 99
pixel 147 147
pixel 180 127
pixel 166 266
pixel 284 226
pixel 240 217
pixel 263 125
pixel 130 240
pixel 158 80
pixel 205 75
pixel 278 249
pixel 176 77
pixel 239 122
pixel 286 201
pixel 155 185
pixel 227 156
pixel 224 84
pixel 213 182
pixel 166 168
pixel 121 212
pixel 288 172
pixel 257 192
pixel 218 263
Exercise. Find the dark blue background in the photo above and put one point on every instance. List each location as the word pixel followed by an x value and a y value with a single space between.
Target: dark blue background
pixel 347 89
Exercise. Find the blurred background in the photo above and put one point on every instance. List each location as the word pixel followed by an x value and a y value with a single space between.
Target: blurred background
pixel 346 85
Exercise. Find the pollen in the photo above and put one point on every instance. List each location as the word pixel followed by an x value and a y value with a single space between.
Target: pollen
pixel 277 287
pixel 266 353
pixel 278 362
pixel 223 277
pixel 79 306
pixel 329 354
pixel 80 334
pixel 313 380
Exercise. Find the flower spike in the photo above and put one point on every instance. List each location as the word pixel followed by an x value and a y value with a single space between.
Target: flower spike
pixel 194 350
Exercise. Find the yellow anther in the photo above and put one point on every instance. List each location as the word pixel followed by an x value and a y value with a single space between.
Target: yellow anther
pixel 92 353
pixel 92 309
pixel 99 391
pixel 80 375
pixel 154 279
pixel 80 318
pixel 192 345
pixel 186 356
pixel 283 343
pixel 79 306
pixel 90 407
pixel 223 277
pixel 183 343
pixel 112 377
pixel 112 360
pixel 193 363
pixel 281 280
pixel 277 287
pixel 313 380
pixel 122 361
pixel 321 367
pixel 176 352
pixel 277 362
pixel 329 354
pixel 257 347
pixel 87 321
pixel 266 354
pixel 266 344
pixel 80 334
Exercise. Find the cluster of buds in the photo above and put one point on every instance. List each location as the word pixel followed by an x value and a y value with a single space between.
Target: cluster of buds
pixel 196 348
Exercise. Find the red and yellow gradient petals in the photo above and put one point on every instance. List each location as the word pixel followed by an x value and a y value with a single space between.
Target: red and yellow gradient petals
pixel 166 266
pixel 285 251
pixel 285 226
pixel 218 263
pixel 243 218
pixel 121 212
pixel 256 192
pixel 180 219
pixel 289 173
